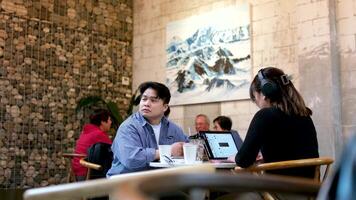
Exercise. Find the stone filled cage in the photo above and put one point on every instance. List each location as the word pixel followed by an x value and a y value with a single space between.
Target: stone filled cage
pixel 53 53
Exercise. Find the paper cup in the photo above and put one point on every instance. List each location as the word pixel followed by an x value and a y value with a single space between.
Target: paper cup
pixel 164 150
pixel 190 153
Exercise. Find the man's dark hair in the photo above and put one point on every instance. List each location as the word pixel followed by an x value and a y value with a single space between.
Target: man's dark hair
pixel 162 90
pixel 224 122
pixel 98 116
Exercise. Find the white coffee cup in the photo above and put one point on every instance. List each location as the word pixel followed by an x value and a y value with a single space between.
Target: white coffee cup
pixel 164 150
pixel 190 153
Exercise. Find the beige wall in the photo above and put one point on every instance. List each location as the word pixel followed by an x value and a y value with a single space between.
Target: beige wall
pixel 312 40
pixel 346 29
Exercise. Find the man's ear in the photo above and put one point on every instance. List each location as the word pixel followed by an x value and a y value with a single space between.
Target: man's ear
pixel 165 106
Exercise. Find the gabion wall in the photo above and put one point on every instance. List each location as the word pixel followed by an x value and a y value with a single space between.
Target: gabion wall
pixel 52 53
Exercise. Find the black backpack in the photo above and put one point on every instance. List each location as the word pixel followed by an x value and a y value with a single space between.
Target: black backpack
pixel 101 154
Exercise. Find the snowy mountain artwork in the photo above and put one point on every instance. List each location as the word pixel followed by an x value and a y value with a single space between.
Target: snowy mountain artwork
pixel 209 56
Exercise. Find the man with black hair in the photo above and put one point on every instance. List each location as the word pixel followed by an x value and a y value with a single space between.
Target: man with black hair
pixel 137 139
pixel 223 123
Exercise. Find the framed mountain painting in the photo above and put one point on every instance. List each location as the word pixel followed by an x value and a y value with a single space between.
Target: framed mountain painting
pixel 209 56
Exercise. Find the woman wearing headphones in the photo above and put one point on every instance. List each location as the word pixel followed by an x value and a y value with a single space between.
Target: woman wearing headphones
pixel 282 129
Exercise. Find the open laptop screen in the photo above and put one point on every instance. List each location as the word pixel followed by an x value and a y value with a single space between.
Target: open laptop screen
pixel 220 145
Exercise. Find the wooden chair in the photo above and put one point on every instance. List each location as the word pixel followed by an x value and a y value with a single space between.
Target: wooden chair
pixel 198 184
pixel 317 162
pixel 90 166
pixel 68 157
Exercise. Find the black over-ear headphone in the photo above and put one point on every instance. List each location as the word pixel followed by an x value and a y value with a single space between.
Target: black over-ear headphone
pixel 269 87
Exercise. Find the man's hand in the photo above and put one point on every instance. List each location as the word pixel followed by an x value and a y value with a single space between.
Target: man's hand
pixel 177 149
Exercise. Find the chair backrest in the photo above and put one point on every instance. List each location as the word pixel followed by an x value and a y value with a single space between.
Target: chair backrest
pixel 198 184
pixel 99 154
pixel 69 157
pixel 102 187
pixel 317 162
pixel 90 166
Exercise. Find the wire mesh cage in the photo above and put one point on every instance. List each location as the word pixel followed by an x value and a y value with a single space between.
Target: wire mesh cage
pixel 52 53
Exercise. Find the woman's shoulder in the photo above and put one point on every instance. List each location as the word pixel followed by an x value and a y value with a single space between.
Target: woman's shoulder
pixel 268 112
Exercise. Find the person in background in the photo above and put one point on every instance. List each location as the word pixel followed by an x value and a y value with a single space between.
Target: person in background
pixel 94 132
pixel 202 123
pixel 137 139
pixel 282 129
pixel 223 123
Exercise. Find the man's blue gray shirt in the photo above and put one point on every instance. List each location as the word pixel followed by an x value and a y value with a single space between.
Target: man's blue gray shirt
pixel 134 146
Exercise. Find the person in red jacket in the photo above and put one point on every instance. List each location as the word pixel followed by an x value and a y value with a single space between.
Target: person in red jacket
pixel 94 132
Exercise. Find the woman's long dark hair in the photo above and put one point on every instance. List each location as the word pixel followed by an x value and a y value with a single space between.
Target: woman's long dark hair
pixel 289 100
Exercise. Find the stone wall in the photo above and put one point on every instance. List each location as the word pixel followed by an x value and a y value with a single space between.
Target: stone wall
pixel 313 40
pixel 52 53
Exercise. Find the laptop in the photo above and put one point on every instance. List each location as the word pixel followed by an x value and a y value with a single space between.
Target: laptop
pixel 219 145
